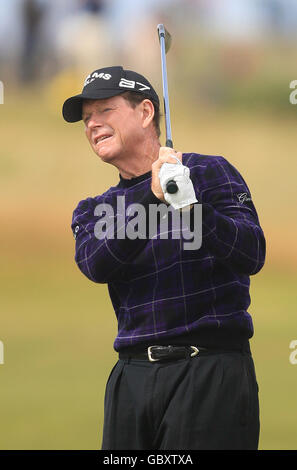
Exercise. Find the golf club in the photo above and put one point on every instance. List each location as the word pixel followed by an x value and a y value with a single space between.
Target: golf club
pixel 165 43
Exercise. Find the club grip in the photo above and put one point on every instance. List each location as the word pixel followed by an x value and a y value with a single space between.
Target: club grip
pixel 171 186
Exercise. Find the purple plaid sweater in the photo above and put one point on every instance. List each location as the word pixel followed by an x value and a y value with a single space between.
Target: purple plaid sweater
pixel 163 294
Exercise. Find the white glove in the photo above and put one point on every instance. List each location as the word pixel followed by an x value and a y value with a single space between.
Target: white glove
pixel 185 196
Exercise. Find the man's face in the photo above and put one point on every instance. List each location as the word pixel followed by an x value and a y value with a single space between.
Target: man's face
pixel 113 128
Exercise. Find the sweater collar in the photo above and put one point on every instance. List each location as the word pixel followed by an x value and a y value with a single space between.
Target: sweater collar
pixel 127 183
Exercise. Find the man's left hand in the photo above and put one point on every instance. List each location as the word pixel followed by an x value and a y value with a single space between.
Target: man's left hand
pixel 161 174
pixel 165 156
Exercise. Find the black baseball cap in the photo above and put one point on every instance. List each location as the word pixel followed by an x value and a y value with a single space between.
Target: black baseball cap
pixel 105 83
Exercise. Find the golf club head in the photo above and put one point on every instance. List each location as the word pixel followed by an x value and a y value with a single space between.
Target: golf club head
pixel 162 32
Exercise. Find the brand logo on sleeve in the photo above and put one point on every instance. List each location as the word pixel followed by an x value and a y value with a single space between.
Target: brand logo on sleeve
pixel 243 197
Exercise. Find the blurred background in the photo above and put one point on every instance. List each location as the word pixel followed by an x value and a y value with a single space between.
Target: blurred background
pixel 229 69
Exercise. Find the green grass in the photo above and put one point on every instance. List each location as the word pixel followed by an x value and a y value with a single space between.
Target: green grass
pixel 275 322
pixel 57 333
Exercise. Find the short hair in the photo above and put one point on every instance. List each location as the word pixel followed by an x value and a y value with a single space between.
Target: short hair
pixel 135 98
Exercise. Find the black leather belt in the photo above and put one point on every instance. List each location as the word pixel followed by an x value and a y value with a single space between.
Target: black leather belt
pixel 159 353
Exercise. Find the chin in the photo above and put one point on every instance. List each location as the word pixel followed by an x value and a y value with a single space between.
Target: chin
pixel 108 153
pixel 106 156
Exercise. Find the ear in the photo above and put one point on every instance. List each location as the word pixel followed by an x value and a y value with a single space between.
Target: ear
pixel 148 113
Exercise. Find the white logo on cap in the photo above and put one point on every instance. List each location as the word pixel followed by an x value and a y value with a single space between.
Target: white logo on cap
pixel 90 78
pixel 132 84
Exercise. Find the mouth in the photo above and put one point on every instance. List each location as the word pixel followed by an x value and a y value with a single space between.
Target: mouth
pixel 102 138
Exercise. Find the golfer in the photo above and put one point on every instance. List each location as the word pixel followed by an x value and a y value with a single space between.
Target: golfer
pixel 185 376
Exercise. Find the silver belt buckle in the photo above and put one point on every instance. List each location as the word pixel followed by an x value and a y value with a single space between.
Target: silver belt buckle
pixel 149 353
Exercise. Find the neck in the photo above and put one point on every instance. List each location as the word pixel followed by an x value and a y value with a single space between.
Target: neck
pixel 140 163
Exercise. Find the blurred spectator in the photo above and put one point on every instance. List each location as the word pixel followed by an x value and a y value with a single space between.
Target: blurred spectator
pixel 92 6
pixel 82 38
pixel 33 12
pixel 133 29
pixel 274 14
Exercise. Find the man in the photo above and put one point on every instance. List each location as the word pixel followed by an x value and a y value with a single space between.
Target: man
pixel 185 377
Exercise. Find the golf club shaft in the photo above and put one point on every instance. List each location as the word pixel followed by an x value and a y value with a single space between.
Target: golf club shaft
pixel 169 142
pixel 171 185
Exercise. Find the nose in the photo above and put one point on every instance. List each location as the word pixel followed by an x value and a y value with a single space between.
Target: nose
pixel 93 122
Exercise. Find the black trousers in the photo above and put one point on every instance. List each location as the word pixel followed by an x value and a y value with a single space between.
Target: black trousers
pixel 201 403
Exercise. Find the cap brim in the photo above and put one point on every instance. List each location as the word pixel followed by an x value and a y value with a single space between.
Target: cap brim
pixel 72 108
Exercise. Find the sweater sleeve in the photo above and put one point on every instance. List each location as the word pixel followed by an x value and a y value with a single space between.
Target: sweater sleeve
pixel 230 225
pixel 105 258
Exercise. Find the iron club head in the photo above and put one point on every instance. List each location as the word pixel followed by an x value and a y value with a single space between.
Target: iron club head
pixel 162 32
